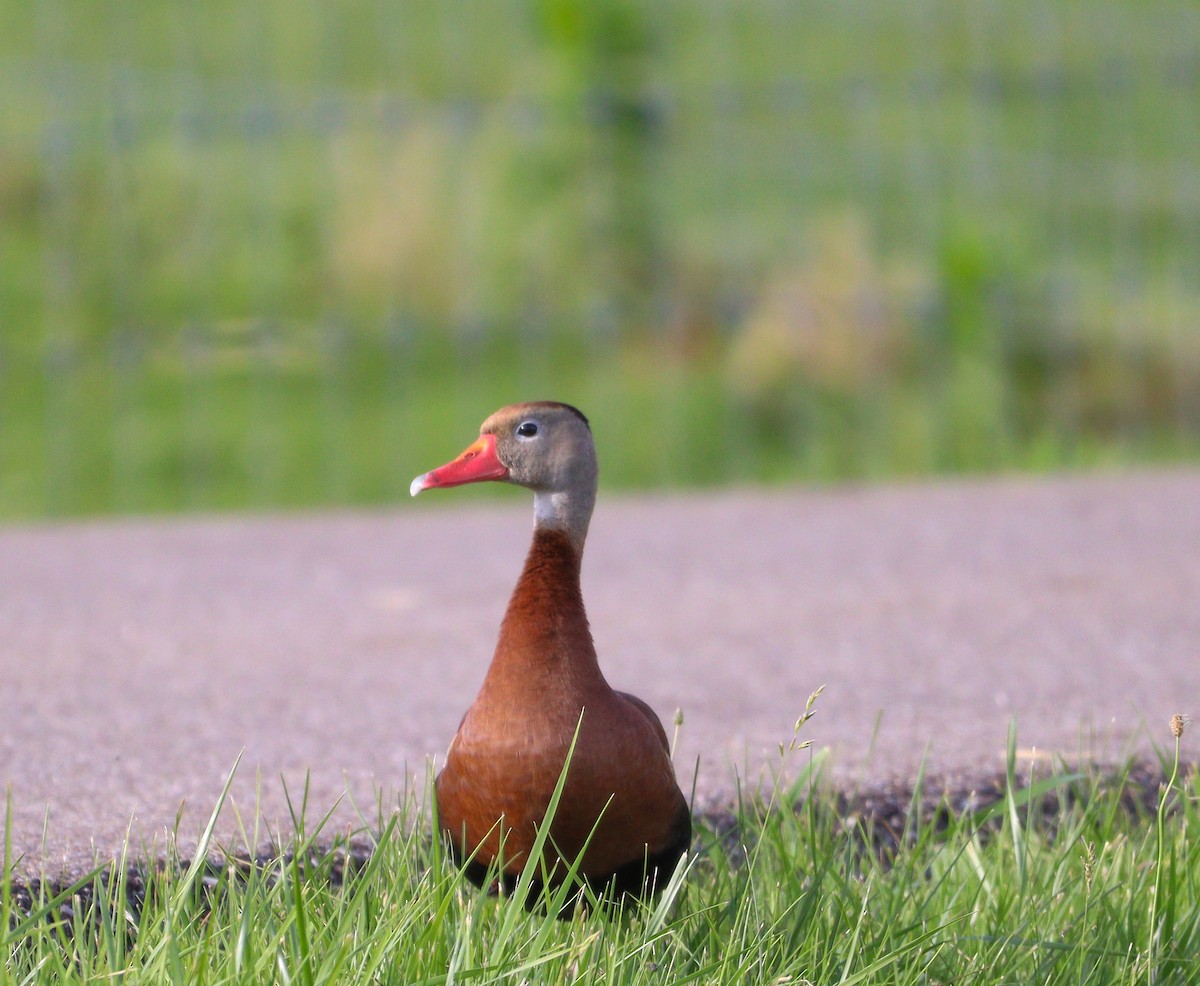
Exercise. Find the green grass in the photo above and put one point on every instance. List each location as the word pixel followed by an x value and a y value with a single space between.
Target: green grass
pixel 350 419
pixel 282 254
pixel 1066 878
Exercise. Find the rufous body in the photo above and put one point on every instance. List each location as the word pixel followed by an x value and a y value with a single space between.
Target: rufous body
pixel 544 690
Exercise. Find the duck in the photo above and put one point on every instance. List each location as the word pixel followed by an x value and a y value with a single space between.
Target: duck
pixel 621 815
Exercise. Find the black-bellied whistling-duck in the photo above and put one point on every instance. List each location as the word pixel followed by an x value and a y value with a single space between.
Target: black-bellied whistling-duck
pixel 504 762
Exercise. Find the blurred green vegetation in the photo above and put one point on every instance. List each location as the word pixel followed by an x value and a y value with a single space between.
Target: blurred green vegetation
pixel 284 254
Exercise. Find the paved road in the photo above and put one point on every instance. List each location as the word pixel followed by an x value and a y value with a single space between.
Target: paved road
pixel 140 657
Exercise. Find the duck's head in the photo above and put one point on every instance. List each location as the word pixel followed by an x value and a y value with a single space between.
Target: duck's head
pixel 544 446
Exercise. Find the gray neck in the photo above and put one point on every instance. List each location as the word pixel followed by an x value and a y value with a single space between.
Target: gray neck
pixel 562 510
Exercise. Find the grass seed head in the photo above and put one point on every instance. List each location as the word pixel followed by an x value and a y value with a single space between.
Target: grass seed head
pixel 1178 721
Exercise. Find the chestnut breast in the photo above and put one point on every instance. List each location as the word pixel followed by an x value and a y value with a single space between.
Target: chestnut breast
pixel 510 748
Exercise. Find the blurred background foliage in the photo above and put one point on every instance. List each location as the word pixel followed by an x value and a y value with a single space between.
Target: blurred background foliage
pixel 290 252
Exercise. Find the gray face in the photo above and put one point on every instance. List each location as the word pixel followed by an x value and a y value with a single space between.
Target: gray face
pixel 546 448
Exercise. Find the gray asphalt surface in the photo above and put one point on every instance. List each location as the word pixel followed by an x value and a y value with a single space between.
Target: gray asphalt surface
pixel 140 657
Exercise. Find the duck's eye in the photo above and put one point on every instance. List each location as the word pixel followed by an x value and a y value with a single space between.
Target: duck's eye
pixel 527 429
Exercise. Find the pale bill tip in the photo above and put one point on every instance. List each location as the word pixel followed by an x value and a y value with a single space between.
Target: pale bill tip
pixel 417 484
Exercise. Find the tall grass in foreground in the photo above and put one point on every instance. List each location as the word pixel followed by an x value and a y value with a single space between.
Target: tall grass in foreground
pixel 1069 878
